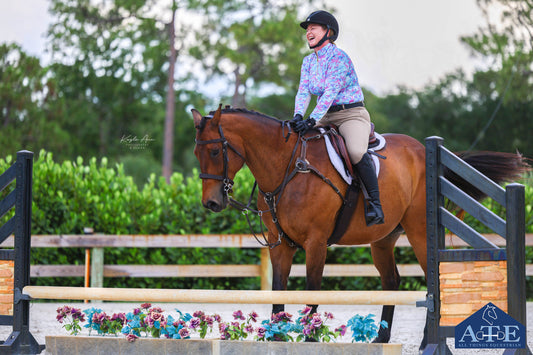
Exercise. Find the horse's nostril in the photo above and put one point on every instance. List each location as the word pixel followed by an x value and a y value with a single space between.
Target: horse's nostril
pixel 213 206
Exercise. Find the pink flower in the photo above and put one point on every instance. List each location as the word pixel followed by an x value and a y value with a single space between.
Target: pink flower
pixel 198 314
pixel 328 315
pixel 146 305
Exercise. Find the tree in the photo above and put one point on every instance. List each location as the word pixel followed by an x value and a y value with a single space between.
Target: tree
pixel 118 58
pixel 506 43
pixel 252 43
pixel 30 110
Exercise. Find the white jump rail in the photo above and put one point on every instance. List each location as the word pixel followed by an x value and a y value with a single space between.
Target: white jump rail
pixel 225 296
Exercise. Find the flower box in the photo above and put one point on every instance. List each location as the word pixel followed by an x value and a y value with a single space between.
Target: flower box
pixel 81 345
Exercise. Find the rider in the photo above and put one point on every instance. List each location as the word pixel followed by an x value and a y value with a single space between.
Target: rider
pixel 329 74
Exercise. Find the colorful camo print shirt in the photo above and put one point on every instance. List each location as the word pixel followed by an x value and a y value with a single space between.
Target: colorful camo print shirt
pixel 330 75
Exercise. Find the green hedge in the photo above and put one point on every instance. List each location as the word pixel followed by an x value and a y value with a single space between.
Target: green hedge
pixel 72 195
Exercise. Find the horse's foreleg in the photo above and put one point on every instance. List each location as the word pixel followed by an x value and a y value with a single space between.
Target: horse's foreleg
pixel 383 256
pixel 281 258
pixel 315 258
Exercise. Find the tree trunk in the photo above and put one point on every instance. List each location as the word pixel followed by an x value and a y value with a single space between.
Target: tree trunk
pixel 238 100
pixel 168 144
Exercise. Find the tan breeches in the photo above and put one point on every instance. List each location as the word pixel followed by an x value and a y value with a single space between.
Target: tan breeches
pixel 354 126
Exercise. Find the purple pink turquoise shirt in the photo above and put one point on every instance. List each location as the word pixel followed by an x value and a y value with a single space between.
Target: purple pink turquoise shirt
pixel 330 75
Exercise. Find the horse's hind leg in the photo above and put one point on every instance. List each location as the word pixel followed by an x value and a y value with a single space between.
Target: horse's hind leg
pixel 383 255
pixel 281 258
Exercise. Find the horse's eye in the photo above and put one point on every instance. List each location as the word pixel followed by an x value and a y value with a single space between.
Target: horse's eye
pixel 214 152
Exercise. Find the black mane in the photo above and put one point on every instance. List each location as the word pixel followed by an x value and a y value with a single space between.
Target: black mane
pixel 245 111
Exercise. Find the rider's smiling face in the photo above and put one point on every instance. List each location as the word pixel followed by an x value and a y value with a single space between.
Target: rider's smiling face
pixel 314 34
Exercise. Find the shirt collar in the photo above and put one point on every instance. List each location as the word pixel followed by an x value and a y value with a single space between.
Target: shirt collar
pixel 325 50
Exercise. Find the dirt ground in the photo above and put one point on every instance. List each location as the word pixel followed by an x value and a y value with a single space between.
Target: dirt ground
pixel 407 328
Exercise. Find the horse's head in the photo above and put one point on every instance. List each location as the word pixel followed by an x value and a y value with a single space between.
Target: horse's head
pixel 219 160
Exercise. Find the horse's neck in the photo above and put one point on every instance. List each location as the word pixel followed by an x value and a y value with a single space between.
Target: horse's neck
pixel 267 153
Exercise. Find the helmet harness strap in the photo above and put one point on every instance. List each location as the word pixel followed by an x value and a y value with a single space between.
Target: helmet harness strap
pixel 324 39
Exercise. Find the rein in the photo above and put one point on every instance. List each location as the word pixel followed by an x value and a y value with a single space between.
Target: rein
pixel 301 165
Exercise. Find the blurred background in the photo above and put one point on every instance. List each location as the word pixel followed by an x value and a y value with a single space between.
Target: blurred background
pixel 91 78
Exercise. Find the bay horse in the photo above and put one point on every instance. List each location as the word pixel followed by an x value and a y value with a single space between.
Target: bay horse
pixel 306 206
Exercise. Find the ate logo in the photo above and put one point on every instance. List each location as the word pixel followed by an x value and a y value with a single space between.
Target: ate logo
pixel 490 327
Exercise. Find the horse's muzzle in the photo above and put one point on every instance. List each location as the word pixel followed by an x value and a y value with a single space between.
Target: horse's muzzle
pixel 213 206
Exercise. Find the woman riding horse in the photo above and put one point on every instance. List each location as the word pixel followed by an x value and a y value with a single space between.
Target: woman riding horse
pixel 329 74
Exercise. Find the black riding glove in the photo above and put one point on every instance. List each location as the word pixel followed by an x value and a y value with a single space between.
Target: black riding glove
pixel 303 126
pixel 297 118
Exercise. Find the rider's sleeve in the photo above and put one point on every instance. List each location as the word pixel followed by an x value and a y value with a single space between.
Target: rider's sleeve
pixel 338 70
pixel 303 97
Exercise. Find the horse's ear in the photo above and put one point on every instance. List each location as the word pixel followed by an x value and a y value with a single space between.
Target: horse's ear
pixel 216 116
pixel 197 116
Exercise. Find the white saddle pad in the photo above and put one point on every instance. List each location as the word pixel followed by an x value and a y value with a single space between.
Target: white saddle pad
pixel 336 160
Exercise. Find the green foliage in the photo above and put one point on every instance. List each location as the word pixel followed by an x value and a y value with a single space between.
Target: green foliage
pixel 30 109
pixel 251 43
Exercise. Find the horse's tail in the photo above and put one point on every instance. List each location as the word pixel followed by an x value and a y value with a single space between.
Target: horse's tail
pixel 497 166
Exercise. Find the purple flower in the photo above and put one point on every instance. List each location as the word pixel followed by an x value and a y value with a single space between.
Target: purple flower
pixel 136 311
pixel 253 316
pixel 341 330
pixel 195 323
pixel 249 329
pixel 198 314
pixel 328 315
pixel 184 333
pixel 305 311
pixel 120 317
pixel 131 337
pixel 261 332
pixel 209 320
pixel 223 328
pixel 217 318
pixel 156 310
pixel 146 305
pixel 281 317
pixel 317 321
pixel 238 315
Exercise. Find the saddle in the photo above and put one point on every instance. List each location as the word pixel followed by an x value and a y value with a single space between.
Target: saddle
pixel 339 145
pixel 344 215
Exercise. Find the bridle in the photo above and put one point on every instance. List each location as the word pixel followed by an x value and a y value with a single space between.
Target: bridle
pixel 228 183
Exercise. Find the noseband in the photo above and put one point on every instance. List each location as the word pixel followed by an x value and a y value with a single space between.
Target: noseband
pixel 228 183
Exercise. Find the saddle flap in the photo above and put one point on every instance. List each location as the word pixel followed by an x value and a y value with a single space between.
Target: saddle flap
pixel 337 141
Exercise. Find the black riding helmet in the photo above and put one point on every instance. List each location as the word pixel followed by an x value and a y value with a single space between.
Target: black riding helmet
pixel 322 18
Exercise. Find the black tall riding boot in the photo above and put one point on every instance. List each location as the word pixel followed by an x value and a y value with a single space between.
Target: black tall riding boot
pixel 373 211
